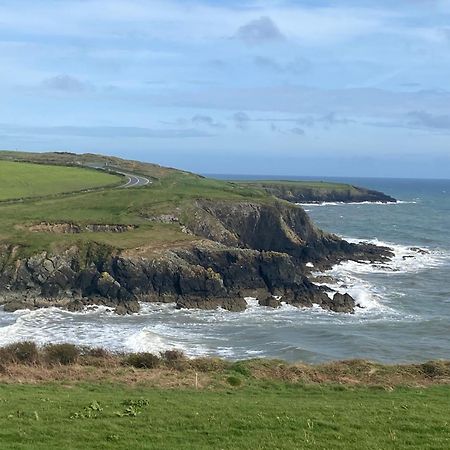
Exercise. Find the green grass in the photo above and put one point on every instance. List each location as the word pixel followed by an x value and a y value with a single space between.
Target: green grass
pixel 325 185
pixel 173 193
pixel 267 416
pixel 23 180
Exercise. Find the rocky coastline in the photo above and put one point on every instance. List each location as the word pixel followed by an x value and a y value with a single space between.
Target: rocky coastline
pixel 242 249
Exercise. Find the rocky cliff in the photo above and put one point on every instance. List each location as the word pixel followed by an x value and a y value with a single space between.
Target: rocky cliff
pixel 242 249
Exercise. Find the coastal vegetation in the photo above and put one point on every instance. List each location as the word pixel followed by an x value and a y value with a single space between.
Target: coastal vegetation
pixel 91 398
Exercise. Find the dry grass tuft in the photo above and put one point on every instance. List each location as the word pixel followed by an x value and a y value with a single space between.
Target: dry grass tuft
pixel 26 363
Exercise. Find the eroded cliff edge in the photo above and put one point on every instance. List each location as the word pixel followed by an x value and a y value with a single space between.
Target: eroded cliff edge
pixel 238 249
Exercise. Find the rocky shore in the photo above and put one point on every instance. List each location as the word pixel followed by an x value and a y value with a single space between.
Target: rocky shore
pixel 241 249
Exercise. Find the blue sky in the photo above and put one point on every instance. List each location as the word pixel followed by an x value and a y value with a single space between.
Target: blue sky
pixel 272 87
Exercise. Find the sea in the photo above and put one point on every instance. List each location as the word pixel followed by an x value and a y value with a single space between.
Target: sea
pixel 405 304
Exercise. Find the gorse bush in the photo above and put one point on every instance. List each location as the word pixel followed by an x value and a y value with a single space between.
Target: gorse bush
pixel 234 381
pixel 61 353
pixel 172 355
pixel 175 359
pixel 142 360
pixel 435 368
pixel 20 352
pixel 97 352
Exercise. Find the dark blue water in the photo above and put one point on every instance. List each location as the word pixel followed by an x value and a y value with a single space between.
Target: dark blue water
pixel 406 314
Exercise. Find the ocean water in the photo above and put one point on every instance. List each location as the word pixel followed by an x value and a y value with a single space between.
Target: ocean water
pixel 406 303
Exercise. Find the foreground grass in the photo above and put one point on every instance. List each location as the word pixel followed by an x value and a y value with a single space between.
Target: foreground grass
pixel 23 180
pixel 276 415
pixel 62 396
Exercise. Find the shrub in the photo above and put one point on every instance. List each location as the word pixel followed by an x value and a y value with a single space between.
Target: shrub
pixel 175 359
pixel 97 352
pixel 206 364
pixel 234 381
pixel 62 353
pixel 240 367
pixel 20 352
pixel 142 360
pixel 172 355
pixel 434 369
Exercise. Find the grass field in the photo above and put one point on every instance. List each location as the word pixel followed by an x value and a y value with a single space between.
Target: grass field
pixel 108 206
pixel 65 397
pixel 23 180
pixel 275 415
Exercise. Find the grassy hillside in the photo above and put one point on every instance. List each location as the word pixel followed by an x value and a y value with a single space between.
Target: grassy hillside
pixel 171 192
pixel 23 180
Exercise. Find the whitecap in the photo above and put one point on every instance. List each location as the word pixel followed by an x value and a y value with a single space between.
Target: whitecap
pixel 406 259
pixel 398 202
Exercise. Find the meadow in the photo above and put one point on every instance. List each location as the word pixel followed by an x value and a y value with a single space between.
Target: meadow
pixel 24 180
pixel 56 202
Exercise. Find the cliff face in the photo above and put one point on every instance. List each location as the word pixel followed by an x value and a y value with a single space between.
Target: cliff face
pixel 278 227
pixel 248 249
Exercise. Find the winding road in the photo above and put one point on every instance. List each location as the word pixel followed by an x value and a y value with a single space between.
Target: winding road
pixel 133 180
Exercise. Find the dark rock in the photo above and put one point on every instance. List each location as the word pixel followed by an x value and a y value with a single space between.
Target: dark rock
pixel 125 308
pixel 343 303
pixel 270 301
pixel 230 304
pixel 17 305
pixel 75 306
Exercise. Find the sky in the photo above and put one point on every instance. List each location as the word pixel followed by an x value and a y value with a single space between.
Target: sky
pixel 313 87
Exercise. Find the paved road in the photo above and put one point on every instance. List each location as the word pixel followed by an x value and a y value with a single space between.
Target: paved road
pixel 134 180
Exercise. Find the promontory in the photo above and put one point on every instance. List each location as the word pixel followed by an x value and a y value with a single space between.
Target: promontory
pixel 83 229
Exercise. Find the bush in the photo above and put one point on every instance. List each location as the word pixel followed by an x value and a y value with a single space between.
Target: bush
pixel 97 352
pixel 142 360
pixel 206 364
pixel 241 367
pixel 172 355
pixel 21 352
pixel 434 369
pixel 234 381
pixel 175 359
pixel 62 353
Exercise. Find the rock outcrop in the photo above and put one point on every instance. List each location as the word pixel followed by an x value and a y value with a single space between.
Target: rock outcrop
pixel 248 249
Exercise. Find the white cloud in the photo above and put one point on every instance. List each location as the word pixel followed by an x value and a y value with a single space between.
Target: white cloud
pixel 176 20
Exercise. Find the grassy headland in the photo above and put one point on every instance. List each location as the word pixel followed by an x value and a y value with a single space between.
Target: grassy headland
pixel 170 191
pixel 53 178
pixel 318 191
